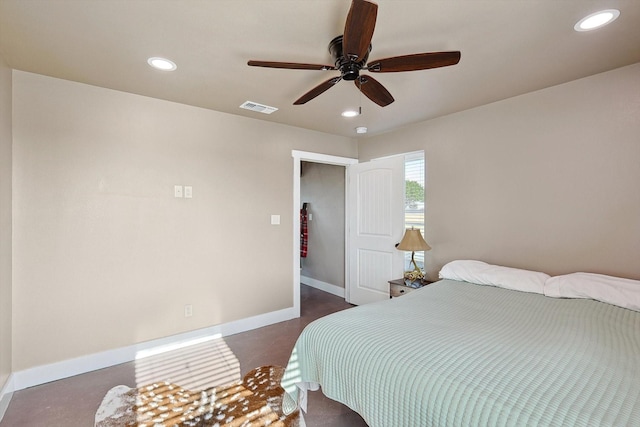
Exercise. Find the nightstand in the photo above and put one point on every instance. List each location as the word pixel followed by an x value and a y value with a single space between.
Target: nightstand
pixel 399 287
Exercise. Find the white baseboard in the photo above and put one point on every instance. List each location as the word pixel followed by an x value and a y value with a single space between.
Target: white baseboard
pixel 323 286
pixel 5 395
pixel 80 365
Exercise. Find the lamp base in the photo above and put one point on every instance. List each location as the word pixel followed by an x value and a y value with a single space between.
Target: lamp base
pixel 414 275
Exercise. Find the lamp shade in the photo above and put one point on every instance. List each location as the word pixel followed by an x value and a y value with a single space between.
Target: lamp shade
pixel 413 241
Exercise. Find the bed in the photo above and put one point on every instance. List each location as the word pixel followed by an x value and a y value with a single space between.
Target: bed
pixel 491 350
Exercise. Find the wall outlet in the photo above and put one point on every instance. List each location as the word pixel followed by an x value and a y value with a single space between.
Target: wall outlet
pixel 188 310
pixel 188 191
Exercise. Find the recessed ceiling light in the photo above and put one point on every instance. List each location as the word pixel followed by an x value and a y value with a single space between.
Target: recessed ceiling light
pixel 162 64
pixel 597 20
pixel 349 113
pixel 361 129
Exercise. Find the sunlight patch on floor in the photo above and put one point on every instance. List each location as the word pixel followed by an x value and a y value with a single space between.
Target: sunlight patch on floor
pixel 195 365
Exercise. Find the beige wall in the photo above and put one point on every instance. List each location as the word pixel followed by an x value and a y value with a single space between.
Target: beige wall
pixel 549 180
pixel 323 186
pixel 105 256
pixel 5 222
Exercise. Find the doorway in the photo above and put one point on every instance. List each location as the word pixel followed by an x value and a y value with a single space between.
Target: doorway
pixel 298 158
pixel 322 253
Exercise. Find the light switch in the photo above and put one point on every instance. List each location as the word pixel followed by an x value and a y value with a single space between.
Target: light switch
pixel 177 191
pixel 310 216
pixel 188 191
pixel 275 219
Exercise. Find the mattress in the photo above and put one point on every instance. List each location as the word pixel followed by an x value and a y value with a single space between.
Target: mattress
pixel 461 354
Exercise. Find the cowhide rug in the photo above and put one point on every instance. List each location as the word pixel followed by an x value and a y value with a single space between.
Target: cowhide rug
pixel 255 401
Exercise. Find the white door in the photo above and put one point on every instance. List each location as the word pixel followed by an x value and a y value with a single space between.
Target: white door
pixel 376 224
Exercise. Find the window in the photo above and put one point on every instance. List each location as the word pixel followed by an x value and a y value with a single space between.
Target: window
pixel 414 199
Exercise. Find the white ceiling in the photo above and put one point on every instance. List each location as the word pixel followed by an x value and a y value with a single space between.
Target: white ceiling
pixel 509 47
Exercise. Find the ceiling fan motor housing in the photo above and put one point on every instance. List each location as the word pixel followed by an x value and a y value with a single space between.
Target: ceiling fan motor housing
pixel 349 69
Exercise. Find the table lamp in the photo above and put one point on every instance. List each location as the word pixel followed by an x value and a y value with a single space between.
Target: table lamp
pixel 413 241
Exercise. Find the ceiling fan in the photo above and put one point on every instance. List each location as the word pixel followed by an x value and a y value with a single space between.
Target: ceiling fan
pixel 350 52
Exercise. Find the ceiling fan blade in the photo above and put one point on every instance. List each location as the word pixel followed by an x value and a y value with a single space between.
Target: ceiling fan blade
pixel 321 88
pixel 290 65
pixel 358 30
pixel 418 61
pixel 373 90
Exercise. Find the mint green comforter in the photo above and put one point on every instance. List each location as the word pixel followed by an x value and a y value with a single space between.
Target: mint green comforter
pixel 459 354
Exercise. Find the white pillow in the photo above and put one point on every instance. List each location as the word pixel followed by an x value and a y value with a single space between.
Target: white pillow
pixel 494 275
pixel 613 290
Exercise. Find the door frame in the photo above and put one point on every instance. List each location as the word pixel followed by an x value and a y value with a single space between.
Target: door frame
pixel 298 158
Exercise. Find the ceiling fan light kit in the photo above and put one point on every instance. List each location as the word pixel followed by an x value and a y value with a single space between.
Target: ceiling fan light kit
pixel 350 52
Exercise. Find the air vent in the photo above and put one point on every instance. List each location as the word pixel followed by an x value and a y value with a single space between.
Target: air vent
pixel 254 106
